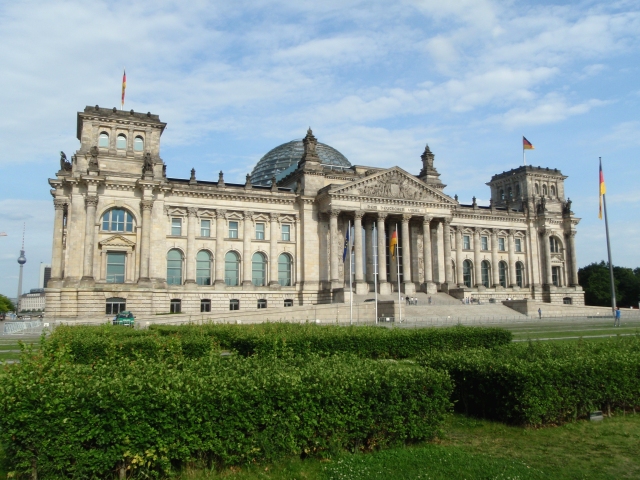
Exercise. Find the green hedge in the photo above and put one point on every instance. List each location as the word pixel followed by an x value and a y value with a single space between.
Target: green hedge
pixel 87 421
pixel 366 342
pixel 86 344
pixel 543 383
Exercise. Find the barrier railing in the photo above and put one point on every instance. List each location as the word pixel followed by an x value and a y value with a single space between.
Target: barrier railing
pixel 18 327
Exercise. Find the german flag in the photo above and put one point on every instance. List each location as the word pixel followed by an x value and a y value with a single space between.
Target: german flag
pixel 603 189
pixel 526 144
pixel 393 244
pixel 124 87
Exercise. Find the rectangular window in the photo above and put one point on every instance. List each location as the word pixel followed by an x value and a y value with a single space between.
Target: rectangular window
pixel 518 245
pixel 233 229
pixel 176 305
pixel 501 244
pixel 286 233
pixel 176 227
pixel 262 303
pixel 259 231
pixel 288 302
pixel 205 305
pixel 466 242
pixel 555 276
pixel 205 228
pixel 485 243
pixel 115 267
pixel 234 304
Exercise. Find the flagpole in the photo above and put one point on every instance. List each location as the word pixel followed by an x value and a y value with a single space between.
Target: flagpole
pixel 375 267
pixel 606 226
pixel 350 275
pixel 524 158
pixel 398 275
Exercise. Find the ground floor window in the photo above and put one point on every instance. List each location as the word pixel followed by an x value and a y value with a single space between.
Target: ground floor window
pixel 205 305
pixel 116 305
pixel 262 303
pixel 176 305
pixel 567 300
pixel 502 274
pixel 115 267
pixel 288 302
pixel 234 304
pixel 467 273
pixel 519 274
pixel 555 276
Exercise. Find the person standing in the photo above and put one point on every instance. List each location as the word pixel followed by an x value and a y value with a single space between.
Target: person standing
pixel 540 313
pixel 616 322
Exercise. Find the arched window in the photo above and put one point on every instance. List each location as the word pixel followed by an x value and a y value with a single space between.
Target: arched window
pixel 174 267
pixel 117 220
pixel 259 269
pixel 284 270
pixel 116 305
pixel 554 245
pixel 519 274
pixel 544 190
pixel 467 272
pixel 103 140
pixel 553 191
pixel 485 270
pixel 232 269
pixel 509 193
pixel 501 194
pixel 502 274
pixel 203 268
pixel 536 189
pixel 138 144
pixel 121 142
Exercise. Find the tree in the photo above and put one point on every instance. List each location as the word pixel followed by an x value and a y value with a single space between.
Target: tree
pixel 6 305
pixel 595 281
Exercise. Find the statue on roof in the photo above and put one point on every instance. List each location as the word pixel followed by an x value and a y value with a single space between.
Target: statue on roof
pixel 65 165
pixel 148 163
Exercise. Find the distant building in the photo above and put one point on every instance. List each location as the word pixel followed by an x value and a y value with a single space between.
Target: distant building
pixel 126 236
pixel 45 275
pixel 33 301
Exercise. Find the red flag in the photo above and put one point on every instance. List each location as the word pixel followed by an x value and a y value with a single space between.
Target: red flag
pixel 526 144
pixel 393 244
pixel 124 86
pixel 603 189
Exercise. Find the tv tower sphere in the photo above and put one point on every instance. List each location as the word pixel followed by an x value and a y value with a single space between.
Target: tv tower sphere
pixel 22 259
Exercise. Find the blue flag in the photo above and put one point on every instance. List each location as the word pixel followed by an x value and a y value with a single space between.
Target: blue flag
pixel 346 245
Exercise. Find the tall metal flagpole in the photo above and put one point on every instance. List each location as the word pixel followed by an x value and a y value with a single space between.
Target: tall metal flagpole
pixel 375 267
pixel 606 226
pixel 350 277
pixel 398 275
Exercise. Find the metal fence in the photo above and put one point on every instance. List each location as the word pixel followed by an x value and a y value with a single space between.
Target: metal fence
pixel 22 327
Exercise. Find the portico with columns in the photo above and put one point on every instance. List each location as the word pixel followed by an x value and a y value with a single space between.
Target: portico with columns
pixel 127 234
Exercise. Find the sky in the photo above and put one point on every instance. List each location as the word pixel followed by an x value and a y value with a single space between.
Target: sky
pixel 376 80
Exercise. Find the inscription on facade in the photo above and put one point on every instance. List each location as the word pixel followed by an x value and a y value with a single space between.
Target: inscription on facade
pixel 391 208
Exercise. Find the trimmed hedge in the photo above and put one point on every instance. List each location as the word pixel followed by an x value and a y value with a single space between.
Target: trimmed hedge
pixel 150 417
pixel 543 383
pixel 86 344
pixel 366 342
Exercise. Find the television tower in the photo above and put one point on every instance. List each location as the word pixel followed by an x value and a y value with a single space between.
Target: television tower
pixel 21 261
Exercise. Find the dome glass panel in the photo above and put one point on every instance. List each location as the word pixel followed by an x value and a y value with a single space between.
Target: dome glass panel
pixel 289 154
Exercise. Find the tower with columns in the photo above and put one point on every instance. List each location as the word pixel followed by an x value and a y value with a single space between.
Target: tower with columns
pixel 127 236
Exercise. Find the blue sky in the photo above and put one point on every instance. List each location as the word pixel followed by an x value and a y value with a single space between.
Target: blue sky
pixel 375 79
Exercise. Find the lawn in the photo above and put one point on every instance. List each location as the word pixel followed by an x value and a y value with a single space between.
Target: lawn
pixel 10 346
pixel 572 330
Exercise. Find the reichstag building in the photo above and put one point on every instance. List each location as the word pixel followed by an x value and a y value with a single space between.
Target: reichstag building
pixel 126 236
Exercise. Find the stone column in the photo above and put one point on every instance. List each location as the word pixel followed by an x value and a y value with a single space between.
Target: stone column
pixel 447 251
pixel 459 271
pixel 547 256
pixel 426 245
pixel 91 201
pixel 512 260
pixel 385 288
pixel 409 286
pixel 58 232
pixel 368 244
pixel 361 287
pixel 574 259
pixel 273 251
pixel 145 239
pixel 476 257
pixel 334 249
pixel 220 233
pixel 246 251
pixel 192 218
pixel 495 271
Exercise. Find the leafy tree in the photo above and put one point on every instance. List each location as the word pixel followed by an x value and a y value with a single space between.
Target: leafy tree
pixel 6 305
pixel 595 281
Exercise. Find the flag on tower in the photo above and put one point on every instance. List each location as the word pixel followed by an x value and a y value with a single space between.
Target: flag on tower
pixel 603 189
pixel 124 87
pixel 526 144
pixel 393 244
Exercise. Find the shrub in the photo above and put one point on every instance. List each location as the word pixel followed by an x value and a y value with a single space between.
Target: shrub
pixel 366 342
pixel 88 420
pixel 543 383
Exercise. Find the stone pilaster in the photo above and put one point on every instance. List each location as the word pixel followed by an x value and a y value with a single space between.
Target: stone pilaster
pixel 361 286
pixel 547 256
pixel 427 256
pixel 334 249
pixel 273 251
pixel 385 288
pixel 512 260
pixel 574 259
pixel 409 286
pixel 246 251
pixel 192 219
pixel 221 217
pixel 91 202
pixel 495 271
pixel 459 270
pixel 145 255
pixel 58 231
pixel 477 261
pixel 446 225
pixel 368 244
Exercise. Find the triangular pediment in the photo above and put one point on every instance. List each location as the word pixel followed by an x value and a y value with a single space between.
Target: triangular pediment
pixel 393 183
pixel 116 241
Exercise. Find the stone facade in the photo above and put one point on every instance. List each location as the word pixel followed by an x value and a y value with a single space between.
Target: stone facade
pixel 127 236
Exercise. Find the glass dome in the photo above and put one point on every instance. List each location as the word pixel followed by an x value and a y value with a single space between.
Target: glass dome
pixel 287 156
